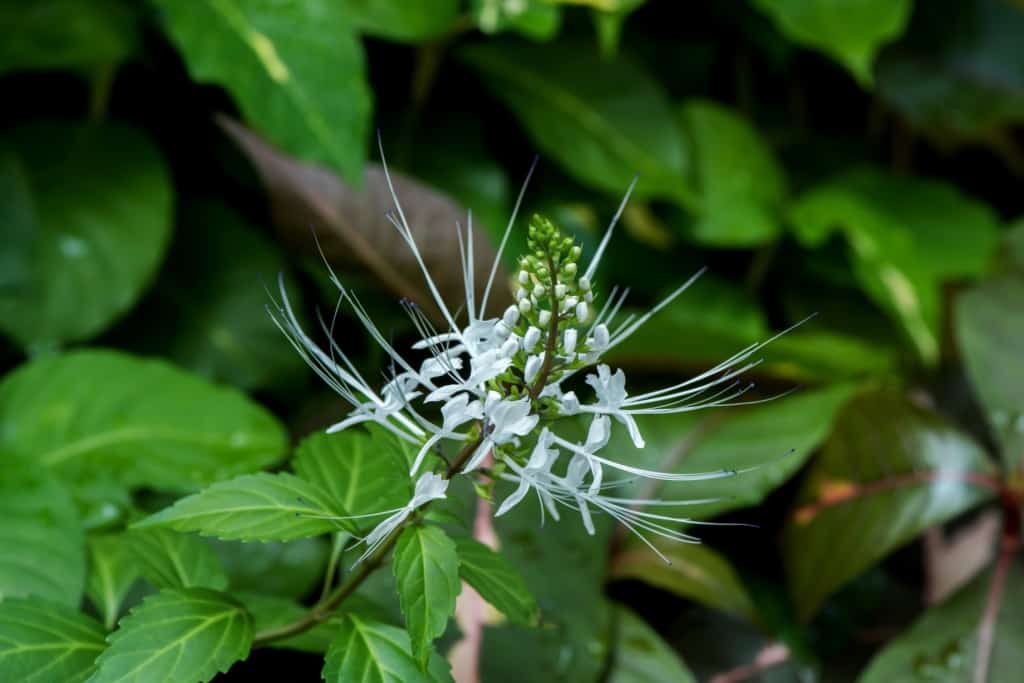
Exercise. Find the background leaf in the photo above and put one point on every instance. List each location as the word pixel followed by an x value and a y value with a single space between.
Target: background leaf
pixel 496 581
pixel 367 651
pixel 289 570
pixel 42 641
pixel 112 573
pixel 641 656
pixel 407 22
pixel 169 559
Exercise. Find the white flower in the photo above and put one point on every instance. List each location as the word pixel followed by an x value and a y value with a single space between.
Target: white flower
pixel 533 475
pixel 505 421
pixel 611 394
pixel 456 412
pixel 483 368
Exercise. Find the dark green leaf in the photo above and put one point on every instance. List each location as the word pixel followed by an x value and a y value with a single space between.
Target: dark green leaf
pixel 296 71
pixel 695 572
pixel 641 656
pixel 42 546
pixel 151 425
pixel 43 642
pixel 18 216
pixel 536 19
pixel 496 581
pixel 426 568
pixel 271 612
pixel 605 121
pixel 366 651
pixel 169 559
pixel 288 570
pixel 404 21
pixel 253 507
pixel 888 472
pixel 177 635
pixel 112 572
pixel 850 31
pixel 101 198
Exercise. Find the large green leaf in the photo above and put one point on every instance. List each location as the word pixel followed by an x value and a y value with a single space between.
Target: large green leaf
pixel 42 546
pixel 296 71
pixel 169 559
pixel 207 311
pixel 990 327
pixel 907 236
pixel 185 635
pixel 604 121
pixel 942 646
pixel 363 472
pixel 496 581
pixel 426 568
pixel 403 21
pixel 849 31
pixel 67 34
pixel 150 425
pixel 289 570
pixel 253 507
pixel 269 612
pixel 888 472
pixel 367 651
pixel 695 572
pixel 43 642
pixel 112 573
pixel 641 656
pixel 740 184
pixel 101 198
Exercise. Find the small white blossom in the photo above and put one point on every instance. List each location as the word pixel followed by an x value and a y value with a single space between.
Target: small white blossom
pixel 429 487
pixel 530 339
pixel 569 340
pixel 505 420
pixel 533 364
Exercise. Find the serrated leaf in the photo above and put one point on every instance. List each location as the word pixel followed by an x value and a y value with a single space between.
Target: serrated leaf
pixel 603 120
pixel 295 70
pixel 888 472
pixel 112 572
pixel 169 559
pixel 849 31
pixel 253 507
pixel 186 635
pixel 367 651
pixel 693 571
pixel 496 581
pixel 363 472
pixel 42 642
pixel 42 545
pixel 426 567
pixel 641 656
pixel 101 197
pixel 152 425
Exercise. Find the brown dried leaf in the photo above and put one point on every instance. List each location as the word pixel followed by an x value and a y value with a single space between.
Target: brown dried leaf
pixel 353 230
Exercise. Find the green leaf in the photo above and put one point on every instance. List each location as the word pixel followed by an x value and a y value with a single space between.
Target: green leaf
pixel 253 507
pixel 169 559
pixel 185 635
pixel 942 645
pixel 907 236
pixel 990 327
pixel 67 34
pixel 270 611
pixel 741 185
pixel 641 656
pixel 695 572
pixel 207 311
pixel 604 121
pixel 536 19
pixel 101 198
pixel 42 546
pixel 288 570
pixel 152 425
pixel 18 216
pixel 112 572
pixel 888 472
pixel 42 642
pixel 849 31
pixel 295 70
pixel 363 472
pixel 496 581
pixel 410 22
pixel 367 651
pixel 426 567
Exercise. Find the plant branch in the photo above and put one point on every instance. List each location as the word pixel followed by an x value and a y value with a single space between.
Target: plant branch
pixel 552 340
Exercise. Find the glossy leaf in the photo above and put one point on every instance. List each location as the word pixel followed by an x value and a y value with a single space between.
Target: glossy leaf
pixel 169 559
pixel 253 507
pixel 176 635
pixel 101 198
pixel 693 571
pixel 741 185
pixel 641 656
pixel 496 581
pixel 152 425
pixel 41 642
pixel 604 121
pixel 888 472
pixel 112 573
pixel 367 651
pixel 906 236
pixel 403 21
pixel 850 31
pixel 296 71
pixel 42 546
pixel 426 568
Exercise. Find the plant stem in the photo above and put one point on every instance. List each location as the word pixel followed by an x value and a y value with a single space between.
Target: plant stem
pixel 552 341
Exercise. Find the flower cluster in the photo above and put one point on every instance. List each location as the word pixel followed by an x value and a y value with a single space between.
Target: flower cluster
pixel 501 384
